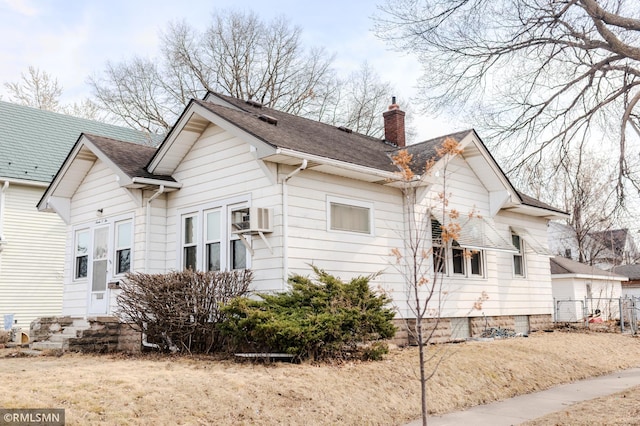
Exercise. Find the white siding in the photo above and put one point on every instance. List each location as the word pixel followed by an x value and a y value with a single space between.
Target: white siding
pixel 345 254
pixel 100 190
pixel 221 167
pixel 218 167
pixel 31 263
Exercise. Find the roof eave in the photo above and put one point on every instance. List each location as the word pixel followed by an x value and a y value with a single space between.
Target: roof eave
pixel 590 277
pixel 368 174
pixel 193 108
pixel 143 182
pixel 537 211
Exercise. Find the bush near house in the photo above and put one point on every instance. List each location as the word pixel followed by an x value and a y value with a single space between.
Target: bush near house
pixel 181 311
pixel 318 319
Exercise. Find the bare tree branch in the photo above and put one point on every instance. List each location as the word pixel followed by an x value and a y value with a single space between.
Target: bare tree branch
pixel 534 75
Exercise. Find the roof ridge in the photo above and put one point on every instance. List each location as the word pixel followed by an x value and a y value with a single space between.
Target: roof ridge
pixel 242 106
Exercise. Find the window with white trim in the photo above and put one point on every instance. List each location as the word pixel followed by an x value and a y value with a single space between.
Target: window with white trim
pixel 189 242
pixel 123 244
pixel 212 239
pixel 237 249
pixel 518 258
pixel 350 215
pixel 81 263
pixel 460 261
pixel 207 240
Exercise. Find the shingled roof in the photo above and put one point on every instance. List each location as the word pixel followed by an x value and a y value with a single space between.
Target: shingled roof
pixel 34 142
pixel 630 271
pixel 306 135
pixel 129 157
pixel 564 266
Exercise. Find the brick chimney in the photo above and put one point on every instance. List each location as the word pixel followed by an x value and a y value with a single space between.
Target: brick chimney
pixel 394 124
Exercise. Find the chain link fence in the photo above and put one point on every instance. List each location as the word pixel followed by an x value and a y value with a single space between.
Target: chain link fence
pixel 623 312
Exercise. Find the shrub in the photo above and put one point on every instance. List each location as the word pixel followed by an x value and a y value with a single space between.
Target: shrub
pixel 180 310
pixel 318 319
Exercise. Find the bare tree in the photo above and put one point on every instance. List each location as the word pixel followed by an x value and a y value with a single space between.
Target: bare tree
pixel 422 259
pixel 541 74
pixel 584 186
pixel 245 57
pixel 39 89
pixel 36 89
pixel 356 102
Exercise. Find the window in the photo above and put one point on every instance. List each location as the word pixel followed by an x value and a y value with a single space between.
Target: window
pixel 476 263
pixel 464 261
pixel 518 259
pixel 439 252
pixel 82 254
pixel 458 259
pixel 208 241
pixel 212 240
pixel 189 243
pixel 238 251
pixel 350 216
pixel 123 247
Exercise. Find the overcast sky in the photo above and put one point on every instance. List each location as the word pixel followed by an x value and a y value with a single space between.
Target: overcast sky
pixel 71 39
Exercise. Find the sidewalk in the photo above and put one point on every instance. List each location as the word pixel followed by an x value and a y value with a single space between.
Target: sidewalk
pixel 527 407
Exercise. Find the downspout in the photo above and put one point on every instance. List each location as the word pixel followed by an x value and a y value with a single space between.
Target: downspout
pixel 156 194
pixel 5 185
pixel 148 227
pixel 285 223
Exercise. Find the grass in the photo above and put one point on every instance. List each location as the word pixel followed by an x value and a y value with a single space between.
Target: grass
pixel 154 389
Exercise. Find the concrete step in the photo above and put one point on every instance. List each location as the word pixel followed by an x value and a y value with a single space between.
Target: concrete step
pixel 60 337
pixel 47 345
pixel 80 323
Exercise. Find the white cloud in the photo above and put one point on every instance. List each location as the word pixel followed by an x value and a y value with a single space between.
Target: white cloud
pixel 24 7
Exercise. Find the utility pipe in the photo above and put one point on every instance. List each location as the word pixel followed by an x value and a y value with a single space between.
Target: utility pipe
pixel 155 195
pixel 148 227
pixel 285 223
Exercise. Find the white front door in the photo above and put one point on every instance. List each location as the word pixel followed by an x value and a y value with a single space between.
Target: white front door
pixel 99 268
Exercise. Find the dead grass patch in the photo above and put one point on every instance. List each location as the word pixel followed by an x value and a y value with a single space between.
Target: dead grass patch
pixel 126 390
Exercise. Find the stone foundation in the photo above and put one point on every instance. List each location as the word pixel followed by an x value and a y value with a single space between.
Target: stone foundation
pixel 445 330
pixel 44 327
pixel 93 334
pixel 106 334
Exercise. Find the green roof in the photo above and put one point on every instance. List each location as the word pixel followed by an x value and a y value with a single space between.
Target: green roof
pixel 34 142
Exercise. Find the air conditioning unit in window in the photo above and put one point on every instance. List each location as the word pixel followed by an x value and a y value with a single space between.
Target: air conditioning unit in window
pixel 252 220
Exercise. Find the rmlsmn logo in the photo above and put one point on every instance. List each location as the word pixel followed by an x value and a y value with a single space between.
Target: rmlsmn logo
pixel 31 416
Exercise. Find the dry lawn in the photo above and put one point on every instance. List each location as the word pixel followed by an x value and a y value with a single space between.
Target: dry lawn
pixel 121 390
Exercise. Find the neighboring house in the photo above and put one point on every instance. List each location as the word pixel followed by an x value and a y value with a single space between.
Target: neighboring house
pixel 580 291
pixel 618 248
pixel 630 288
pixel 238 185
pixel 33 145
pixel 604 249
pixel 563 241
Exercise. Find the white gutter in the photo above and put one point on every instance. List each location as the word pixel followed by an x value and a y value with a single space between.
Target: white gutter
pixel 28 182
pixel 156 182
pixel 317 159
pixel 285 223
pixel 148 227
pixel 5 185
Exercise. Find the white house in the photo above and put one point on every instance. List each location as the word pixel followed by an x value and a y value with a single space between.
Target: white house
pixel 630 288
pixel 604 249
pixel 33 145
pixel 580 291
pixel 239 185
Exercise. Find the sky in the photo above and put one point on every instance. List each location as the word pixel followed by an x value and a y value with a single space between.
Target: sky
pixel 72 39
